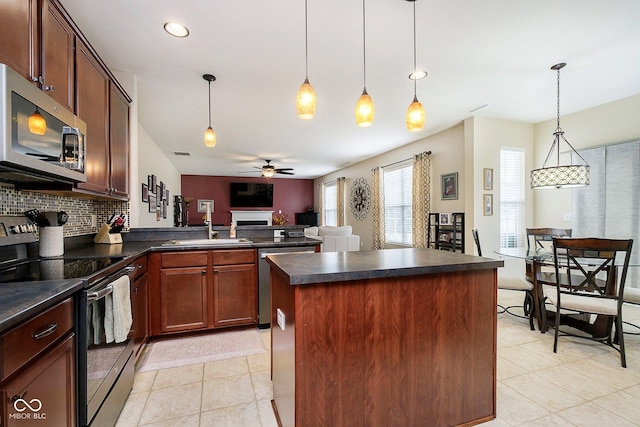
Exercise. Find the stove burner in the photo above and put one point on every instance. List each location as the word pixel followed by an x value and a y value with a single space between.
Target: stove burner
pixel 54 269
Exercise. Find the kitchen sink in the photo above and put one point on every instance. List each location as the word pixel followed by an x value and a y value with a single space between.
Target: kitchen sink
pixel 206 242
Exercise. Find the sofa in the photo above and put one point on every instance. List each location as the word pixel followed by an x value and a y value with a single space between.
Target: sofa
pixel 334 239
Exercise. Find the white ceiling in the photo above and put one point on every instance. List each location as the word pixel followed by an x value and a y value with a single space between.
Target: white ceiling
pixel 494 52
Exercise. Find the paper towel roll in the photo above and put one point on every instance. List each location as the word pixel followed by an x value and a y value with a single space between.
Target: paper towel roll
pixel 51 241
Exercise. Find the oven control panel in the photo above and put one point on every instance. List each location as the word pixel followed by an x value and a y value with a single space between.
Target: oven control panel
pixel 16 229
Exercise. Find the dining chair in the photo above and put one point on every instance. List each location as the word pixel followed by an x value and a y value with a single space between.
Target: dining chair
pixel 632 296
pixel 541 235
pixel 512 284
pixel 591 283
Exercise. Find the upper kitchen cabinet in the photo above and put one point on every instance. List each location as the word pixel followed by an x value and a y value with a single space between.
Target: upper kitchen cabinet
pixel 37 41
pixel 105 109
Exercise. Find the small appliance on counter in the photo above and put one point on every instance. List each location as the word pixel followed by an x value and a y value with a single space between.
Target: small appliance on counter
pixel 178 212
pixel 109 233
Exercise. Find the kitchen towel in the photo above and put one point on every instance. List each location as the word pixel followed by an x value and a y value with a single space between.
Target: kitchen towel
pixel 118 319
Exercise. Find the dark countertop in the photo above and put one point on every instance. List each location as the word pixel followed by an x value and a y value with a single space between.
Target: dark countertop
pixel 322 267
pixel 20 301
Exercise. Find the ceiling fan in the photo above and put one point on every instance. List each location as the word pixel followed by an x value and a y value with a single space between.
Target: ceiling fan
pixel 269 170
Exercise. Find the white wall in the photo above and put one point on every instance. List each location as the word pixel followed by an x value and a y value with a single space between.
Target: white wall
pixel 446 156
pixel 152 161
pixel 609 123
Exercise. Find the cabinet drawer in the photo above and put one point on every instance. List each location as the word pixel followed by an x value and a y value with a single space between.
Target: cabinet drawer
pixel 26 341
pixel 237 256
pixel 141 267
pixel 184 259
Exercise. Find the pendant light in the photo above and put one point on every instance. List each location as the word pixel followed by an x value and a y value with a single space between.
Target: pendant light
pixel 364 107
pixel 37 124
pixel 210 135
pixel 306 99
pixel 565 176
pixel 415 112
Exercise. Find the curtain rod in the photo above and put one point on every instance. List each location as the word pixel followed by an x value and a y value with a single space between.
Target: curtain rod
pixel 400 161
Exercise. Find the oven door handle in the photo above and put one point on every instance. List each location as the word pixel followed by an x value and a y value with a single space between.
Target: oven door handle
pixel 95 296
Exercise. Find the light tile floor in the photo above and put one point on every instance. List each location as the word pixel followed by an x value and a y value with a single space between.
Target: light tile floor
pixel 581 385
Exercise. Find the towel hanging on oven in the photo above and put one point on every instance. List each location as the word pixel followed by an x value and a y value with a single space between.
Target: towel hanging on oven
pixel 117 307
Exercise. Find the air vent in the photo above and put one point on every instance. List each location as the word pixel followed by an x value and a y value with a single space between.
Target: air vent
pixel 181 153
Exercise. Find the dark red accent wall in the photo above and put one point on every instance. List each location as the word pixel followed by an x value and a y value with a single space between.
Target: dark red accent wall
pixel 289 195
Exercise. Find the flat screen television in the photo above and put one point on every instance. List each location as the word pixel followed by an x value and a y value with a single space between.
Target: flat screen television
pixel 251 195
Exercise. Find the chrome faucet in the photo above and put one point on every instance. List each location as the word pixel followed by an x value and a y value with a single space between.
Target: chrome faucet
pixel 208 220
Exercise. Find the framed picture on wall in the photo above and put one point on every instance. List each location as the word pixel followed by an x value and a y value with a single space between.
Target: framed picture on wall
pixel 445 219
pixel 449 186
pixel 158 195
pixel 152 203
pixel 488 178
pixel 487 203
pixel 145 193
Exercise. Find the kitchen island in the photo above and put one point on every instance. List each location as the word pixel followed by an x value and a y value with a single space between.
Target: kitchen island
pixel 378 338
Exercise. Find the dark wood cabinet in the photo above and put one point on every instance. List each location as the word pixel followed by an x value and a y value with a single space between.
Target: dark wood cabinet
pixel 19 35
pixel 235 294
pixel 140 305
pixel 92 102
pixel 38 366
pixel 200 290
pixel 37 41
pixel 446 231
pixel 307 218
pixel 183 299
pixel 57 58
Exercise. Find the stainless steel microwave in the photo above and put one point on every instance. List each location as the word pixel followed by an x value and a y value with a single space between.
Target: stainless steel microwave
pixel 40 140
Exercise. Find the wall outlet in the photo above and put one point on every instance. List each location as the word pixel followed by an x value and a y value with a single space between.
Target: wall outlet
pixel 280 318
pixel 278 233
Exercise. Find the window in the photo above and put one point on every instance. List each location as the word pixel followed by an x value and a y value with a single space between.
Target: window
pixel 397 203
pixel 512 198
pixel 330 203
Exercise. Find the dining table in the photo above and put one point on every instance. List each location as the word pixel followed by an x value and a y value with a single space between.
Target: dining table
pixel 538 262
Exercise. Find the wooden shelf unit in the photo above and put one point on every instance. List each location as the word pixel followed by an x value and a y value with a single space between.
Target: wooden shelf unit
pixel 448 237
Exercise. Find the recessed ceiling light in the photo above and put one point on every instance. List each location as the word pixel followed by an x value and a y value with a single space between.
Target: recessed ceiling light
pixel 176 30
pixel 418 75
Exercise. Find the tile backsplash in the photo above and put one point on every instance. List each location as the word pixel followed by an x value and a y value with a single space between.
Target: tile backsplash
pixel 15 203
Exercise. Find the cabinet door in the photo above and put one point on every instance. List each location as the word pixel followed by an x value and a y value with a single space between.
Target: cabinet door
pixel 119 143
pixel 235 295
pixel 57 57
pixel 139 306
pixel 49 386
pixel 18 35
pixel 183 299
pixel 92 102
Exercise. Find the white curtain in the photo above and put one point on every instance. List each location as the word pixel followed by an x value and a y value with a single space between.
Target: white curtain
pixel 378 209
pixel 340 191
pixel 610 205
pixel 421 198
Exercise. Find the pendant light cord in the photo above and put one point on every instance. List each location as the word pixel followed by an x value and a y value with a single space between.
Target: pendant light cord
pixel 364 45
pixel 306 43
pixel 209 103
pixel 415 66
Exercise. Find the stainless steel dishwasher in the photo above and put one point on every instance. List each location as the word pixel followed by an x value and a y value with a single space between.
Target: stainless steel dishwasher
pixel 264 287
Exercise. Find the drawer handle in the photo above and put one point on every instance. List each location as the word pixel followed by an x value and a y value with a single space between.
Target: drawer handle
pixel 51 329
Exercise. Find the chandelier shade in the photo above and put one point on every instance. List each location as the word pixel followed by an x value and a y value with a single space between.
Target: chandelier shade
pixel 560 176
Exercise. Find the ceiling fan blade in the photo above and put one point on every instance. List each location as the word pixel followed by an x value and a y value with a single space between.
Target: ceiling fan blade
pixel 284 172
pixel 284 169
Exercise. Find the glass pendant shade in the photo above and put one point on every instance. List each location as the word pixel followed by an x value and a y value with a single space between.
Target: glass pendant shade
pixel 306 101
pixel 365 110
pixel 268 172
pixel 210 137
pixel 37 123
pixel 415 116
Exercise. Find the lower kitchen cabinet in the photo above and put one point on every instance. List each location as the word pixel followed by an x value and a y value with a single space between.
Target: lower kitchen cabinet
pixel 39 386
pixel 183 299
pixel 140 305
pixel 201 290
